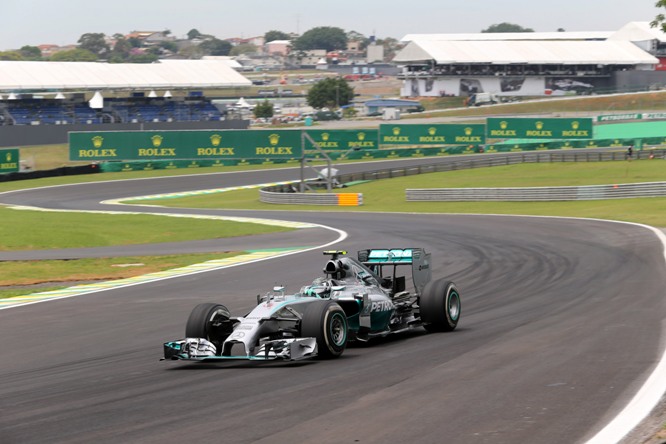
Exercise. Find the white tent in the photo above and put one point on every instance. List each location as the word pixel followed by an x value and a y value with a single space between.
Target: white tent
pixel 638 32
pixel 242 103
pixel 530 52
pixel 584 35
pixel 97 101
pixel 181 74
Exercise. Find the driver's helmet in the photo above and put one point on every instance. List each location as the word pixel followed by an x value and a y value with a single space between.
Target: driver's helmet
pixel 318 288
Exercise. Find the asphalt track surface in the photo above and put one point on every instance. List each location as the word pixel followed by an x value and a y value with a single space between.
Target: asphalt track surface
pixel 561 324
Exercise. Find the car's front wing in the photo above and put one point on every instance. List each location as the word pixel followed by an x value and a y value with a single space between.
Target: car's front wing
pixel 198 349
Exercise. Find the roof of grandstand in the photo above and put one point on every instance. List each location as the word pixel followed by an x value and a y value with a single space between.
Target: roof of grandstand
pixel 638 32
pixel 585 35
pixel 68 76
pixel 609 52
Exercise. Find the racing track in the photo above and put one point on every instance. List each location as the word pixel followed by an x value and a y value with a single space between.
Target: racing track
pixel 561 324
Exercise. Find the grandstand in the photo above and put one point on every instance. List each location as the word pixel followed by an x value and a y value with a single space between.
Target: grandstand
pixel 532 63
pixel 53 93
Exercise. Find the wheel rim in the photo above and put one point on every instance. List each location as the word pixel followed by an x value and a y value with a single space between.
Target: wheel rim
pixel 338 329
pixel 454 305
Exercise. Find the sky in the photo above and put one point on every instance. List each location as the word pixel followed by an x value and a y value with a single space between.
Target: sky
pixel 35 22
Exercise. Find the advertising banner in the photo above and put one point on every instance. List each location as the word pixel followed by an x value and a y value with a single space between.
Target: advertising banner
pixel 174 145
pixel 533 128
pixel 365 139
pixel 435 134
pixel 9 160
pixel 616 117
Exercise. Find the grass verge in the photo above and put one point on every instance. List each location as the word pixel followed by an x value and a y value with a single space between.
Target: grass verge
pixel 30 273
pixel 389 194
pixel 37 230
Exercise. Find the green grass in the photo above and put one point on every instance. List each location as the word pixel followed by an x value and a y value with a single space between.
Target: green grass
pixel 586 104
pixel 26 291
pixel 389 194
pixel 20 273
pixel 31 230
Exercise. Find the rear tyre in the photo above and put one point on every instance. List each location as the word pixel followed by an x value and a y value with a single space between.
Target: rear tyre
pixel 325 321
pixel 440 306
pixel 209 321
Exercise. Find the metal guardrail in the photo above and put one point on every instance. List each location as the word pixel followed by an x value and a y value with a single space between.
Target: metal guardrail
pixel 436 165
pixel 285 194
pixel 589 192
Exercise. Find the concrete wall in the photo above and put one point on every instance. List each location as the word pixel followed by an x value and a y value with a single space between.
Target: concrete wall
pixel 639 80
pixel 28 135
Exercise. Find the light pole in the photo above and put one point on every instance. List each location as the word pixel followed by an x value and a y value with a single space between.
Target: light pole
pixel 337 95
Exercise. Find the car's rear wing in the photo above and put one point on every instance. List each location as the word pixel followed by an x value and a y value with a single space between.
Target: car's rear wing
pixel 416 257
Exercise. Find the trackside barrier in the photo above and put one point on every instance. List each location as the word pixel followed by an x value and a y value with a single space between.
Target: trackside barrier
pixel 590 192
pixel 350 199
pixel 286 197
pixel 439 164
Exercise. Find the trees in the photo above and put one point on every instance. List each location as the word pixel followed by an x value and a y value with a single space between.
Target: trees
pixel 94 42
pixel 391 47
pixel 216 47
pixel 121 50
pixel 660 20
pixel 507 27
pixel 12 56
pixel 276 35
pixel 331 93
pixel 264 109
pixel 245 48
pixel 74 55
pixel 30 53
pixel 146 57
pixel 323 37
pixel 191 52
pixel 353 36
pixel 193 34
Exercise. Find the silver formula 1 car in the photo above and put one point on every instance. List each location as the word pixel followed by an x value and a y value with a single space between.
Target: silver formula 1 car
pixel 355 300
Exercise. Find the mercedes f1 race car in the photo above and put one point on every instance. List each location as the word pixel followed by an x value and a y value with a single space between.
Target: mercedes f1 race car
pixel 355 300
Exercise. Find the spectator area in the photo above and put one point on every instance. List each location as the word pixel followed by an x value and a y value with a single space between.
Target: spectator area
pixel 51 93
pixel 128 110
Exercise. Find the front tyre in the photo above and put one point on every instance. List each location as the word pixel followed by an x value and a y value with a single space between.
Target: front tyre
pixel 325 321
pixel 440 306
pixel 209 321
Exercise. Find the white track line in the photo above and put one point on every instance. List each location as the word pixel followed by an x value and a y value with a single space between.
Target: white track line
pixel 647 397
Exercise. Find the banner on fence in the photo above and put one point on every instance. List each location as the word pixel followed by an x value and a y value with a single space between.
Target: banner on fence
pixel 9 160
pixel 631 116
pixel 176 145
pixel 434 134
pixel 532 128
pixel 357 139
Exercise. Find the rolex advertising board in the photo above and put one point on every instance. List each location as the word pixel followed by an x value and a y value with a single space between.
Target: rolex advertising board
pixel 172 145
pixel 531 128
pixel 361 139
pixel 435 134
pixel 9 160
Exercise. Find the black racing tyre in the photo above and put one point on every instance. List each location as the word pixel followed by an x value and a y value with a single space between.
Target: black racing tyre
pixel 440 306
pixel 325 321
pixel 209 321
